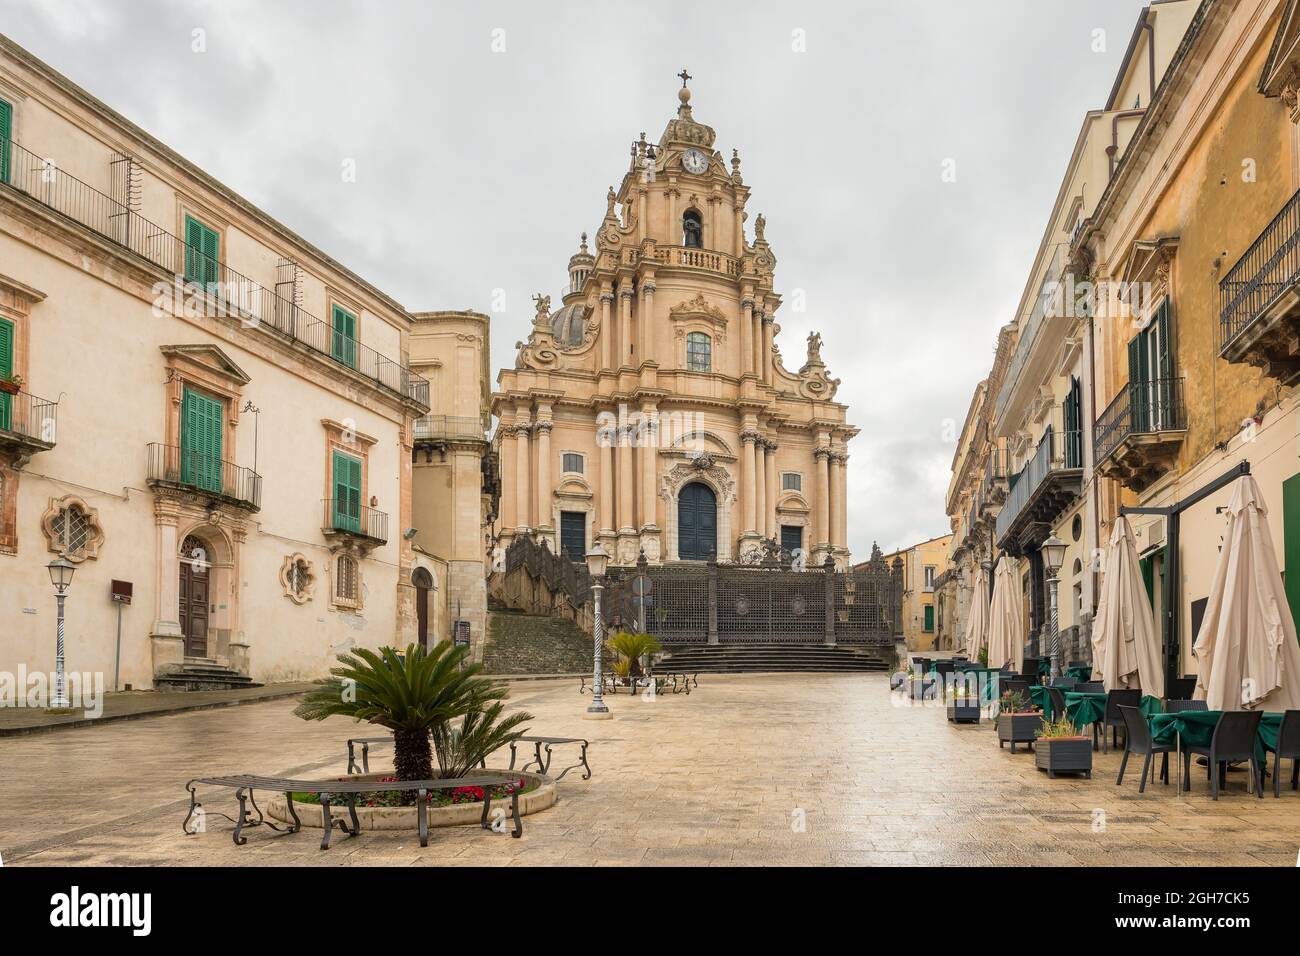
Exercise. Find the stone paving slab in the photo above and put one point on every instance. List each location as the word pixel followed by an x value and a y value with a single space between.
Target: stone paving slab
pixel 753 770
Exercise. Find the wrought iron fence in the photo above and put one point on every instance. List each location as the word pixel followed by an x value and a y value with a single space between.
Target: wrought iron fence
pixel 187 468
pixel 349 518
pixel 209 285
pixel 1140 408
pixel 1270 266
pixel 441 427
pixel 25 414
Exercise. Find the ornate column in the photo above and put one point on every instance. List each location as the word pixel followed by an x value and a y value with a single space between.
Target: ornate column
pixel 509 495
pixel 671 194
pixel 823 458
pixel 542 431
pixel 646 321
pixel 626 552
pixel 167 643
pixel 607 329
pixel 756 338
pixel 773 490
pixel 769 331
pixel 842 495
pixel 523 496
pixel 738 247
pixel 747 335
pixel 837 501
pixel 760 486
pixel 625 295
pixel 605 439
pixel 649 452
pixel 749 438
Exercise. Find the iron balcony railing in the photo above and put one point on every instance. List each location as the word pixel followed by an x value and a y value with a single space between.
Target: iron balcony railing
pixel 1269 267
pixel 348 517
pixel 187 468
pixel 1140 408
pixel 30 417
pixel 443 427
pixel 1056 451
pixel 1048 297
pixel 994 471
pixel 204 283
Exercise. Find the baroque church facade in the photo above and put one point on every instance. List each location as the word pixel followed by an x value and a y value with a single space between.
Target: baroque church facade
pixel 653 410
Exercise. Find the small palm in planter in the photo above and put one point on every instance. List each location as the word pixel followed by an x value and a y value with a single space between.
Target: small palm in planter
pixel 418 694
pixel 1018 722
pixel 631 648
pixel 1060 748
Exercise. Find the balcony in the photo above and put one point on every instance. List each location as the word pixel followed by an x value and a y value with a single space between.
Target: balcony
pixel 1136 440
pixel 365 526
pixel 27 425
pixel 993 487
pixel 1259 318
pixel 1041 492
pixel 220 291
pixel 185 470
pixel 442 428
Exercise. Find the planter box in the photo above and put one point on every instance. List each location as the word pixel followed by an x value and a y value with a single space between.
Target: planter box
pixel 922 688
pixel 1064 755
pixel 964 710
pixel 1018 729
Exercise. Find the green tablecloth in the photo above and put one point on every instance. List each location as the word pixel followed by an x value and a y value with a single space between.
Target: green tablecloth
pixel 1080 673
pixel 1084 708
pixel 1196 727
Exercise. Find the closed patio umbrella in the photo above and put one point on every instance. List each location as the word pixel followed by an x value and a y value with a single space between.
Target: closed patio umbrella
pixel 1246 651
pixel 1006 630
pixel 977 625
pixel 1126 653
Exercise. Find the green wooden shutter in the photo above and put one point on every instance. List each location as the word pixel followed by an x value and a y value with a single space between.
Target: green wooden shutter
pixel 202 252
pixel 1291 544
pixel 6 369
pixel 928 626
pixel 6 133
pixel 347 492
pixel 1137 379
pixel 344 346
pixel 201 438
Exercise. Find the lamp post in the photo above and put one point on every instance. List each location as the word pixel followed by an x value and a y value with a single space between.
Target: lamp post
pixel 597 558
pixel 1053 551
pixel 61 571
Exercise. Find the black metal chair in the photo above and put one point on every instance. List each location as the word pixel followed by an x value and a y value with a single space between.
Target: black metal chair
pixel 1180 688
pixel 1058 702
pixel 1177 706
pixel 1112 720
pixel 1009 686
pixel 1288 746
pixel 1233 742
pixel 1065 683
pixel 1137 740
pixel 1090 687
pixel 1076 664
pixel 1032 669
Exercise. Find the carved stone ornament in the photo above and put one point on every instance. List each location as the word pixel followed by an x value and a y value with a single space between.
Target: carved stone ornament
pixel 814 382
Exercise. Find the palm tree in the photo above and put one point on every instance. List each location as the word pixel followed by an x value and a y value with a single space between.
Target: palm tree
pixel 633 647
pixel 415 694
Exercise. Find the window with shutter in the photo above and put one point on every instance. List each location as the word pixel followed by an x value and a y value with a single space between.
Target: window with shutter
pixel 347 493
pixel 202 253
pixel 791 481
pixel 6 134
pixel 201 440
pixel 571 462
pixel 6 369
pixel 343 347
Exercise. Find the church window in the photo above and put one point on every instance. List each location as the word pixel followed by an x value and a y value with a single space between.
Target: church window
pixel 693 229
pixel 791 481
pixel 699 352
pixel 571 462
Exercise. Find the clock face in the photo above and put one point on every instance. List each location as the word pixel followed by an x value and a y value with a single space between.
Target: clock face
pixel 693 161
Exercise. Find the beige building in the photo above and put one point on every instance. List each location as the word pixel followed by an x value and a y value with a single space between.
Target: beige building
pixel 224 420
pixel 922 565
pixel 653 410
pixel 455 487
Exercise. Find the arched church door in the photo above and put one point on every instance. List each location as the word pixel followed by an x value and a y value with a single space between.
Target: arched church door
pixel 194 594
pixel 697 523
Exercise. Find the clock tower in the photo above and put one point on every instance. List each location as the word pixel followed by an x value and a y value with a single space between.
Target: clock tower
pixel 653 411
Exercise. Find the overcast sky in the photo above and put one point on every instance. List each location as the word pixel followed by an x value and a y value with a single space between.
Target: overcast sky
pixel 478 168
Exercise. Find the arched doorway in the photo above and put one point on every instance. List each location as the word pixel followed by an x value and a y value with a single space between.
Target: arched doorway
pixel 195 595
pixel 423 582
pixel 697 522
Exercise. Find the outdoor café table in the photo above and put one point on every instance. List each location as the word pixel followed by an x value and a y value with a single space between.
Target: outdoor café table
pixel 1196 727
pixel 1088 707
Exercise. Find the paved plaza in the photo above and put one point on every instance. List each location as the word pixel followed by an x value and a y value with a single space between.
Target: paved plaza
pixel 747 770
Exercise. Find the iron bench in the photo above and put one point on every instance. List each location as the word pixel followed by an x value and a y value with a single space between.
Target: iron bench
pixel 245 784
pixel 544 763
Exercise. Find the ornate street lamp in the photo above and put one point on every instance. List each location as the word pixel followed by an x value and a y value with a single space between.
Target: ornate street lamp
pixel 61 571
pixel 1053 552
pixel 597 559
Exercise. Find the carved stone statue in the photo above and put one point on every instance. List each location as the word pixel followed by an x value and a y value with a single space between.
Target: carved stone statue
pixel 610 198
pixel 760 224
pixel 543 303
pixel 814 348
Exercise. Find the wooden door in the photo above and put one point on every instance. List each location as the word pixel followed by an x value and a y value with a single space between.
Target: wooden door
pixel 194 594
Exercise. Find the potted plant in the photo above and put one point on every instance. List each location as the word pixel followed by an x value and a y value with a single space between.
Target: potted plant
pixel 11 384
pixel 1060 748
pixel 430 699
pixel 964 702
pixel 1018 722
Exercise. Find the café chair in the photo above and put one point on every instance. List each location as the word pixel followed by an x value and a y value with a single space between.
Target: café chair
pixel 1137 740
pixel 1112 720
pixel 1233 742
pixel 1288 746
pixel 1180 688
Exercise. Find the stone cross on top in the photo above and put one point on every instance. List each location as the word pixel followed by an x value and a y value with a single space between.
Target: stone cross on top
pixel 685 76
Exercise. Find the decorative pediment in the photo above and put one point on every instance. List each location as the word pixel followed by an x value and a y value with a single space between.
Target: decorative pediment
pixel 209 358
pixel 540 351
pixel 701 308
pixel 1281 75
pixel 1144 280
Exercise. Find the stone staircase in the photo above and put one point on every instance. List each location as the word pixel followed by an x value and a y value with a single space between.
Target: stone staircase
pixel 519 643
pixel 203 673
pixel 777 658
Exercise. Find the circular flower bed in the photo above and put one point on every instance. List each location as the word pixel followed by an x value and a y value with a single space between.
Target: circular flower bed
pixel 380 809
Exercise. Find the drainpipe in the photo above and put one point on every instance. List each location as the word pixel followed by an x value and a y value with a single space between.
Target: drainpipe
pixel 1113 148
pixel 1151 53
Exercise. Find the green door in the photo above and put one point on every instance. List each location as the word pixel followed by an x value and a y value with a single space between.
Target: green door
pixel 928 625
pixel 201 429
pixel 202 252
pixel 344 345
pixel 347 493
pixel 6 369
pixel 6 132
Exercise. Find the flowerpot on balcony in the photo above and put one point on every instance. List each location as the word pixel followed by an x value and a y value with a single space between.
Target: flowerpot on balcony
pixel 1019 728
pixel 964 710
pixel 10 387
pixel 1063 755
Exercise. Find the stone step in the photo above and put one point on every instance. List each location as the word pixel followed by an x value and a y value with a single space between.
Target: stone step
pixel 777 658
